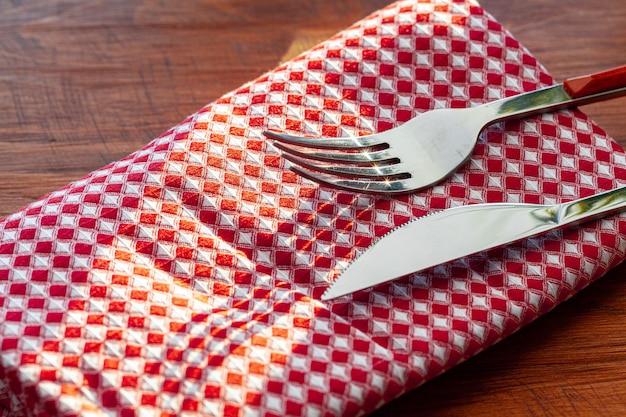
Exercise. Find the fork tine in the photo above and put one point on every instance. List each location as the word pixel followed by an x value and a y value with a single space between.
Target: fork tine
pixel 399 186
pixel 327 143
pixel 350 171
pixel 382 155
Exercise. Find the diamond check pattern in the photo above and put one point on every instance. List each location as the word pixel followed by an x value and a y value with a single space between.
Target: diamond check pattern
pixel 185 279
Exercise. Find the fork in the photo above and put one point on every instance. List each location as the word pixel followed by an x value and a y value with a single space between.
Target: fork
pixel 431 146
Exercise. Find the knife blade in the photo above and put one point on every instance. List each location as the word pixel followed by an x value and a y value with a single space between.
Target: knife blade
pixel 462 231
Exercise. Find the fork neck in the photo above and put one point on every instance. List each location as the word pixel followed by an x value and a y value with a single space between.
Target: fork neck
pixel 525 104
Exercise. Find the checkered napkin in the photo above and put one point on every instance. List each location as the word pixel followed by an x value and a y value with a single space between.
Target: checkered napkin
pixel 186 278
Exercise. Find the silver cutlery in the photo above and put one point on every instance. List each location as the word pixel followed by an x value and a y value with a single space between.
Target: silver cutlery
pixel 429 147
pixel 462 231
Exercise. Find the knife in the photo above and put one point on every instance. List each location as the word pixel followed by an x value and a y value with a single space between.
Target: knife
pixel 462 231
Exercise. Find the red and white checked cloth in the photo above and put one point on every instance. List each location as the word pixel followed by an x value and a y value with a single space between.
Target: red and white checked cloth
pixel 185 279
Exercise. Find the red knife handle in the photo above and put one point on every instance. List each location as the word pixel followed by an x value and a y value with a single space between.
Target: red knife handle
pixel 599 82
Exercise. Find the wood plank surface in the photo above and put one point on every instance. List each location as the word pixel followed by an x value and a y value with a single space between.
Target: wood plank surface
pixel 84 83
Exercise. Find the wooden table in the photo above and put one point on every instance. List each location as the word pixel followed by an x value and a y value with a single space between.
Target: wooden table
pixel 84 83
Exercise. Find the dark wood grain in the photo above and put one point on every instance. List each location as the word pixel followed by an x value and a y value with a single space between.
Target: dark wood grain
pixel 84 83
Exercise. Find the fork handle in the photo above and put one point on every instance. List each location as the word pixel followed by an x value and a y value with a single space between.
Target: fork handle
pixel 573 92
pixel 587 85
